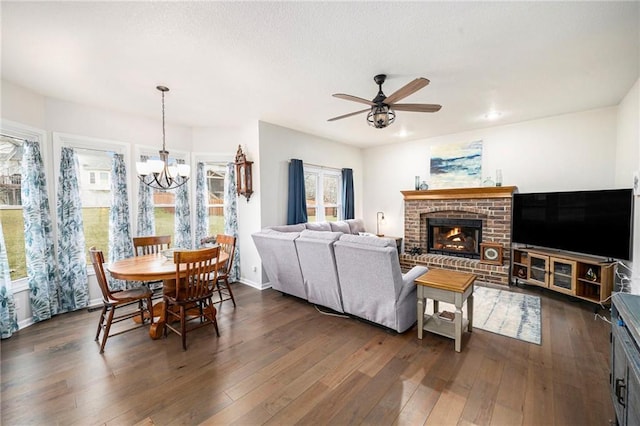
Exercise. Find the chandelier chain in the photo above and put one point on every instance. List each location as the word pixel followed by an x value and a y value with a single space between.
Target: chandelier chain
pixel 163 132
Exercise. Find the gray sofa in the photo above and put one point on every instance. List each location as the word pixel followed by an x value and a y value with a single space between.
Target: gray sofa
pixel 331 265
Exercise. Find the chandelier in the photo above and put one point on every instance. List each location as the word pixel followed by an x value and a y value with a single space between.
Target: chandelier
pixel 159 174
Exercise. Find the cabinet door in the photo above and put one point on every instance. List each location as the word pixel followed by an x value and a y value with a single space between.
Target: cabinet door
pixel 618 376
pixel 538 270
pixel 633 397
pixel 562 275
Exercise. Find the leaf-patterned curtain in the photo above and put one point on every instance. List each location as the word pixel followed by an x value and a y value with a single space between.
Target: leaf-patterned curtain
pixel 146 217
pixel 120 242
pixel 38 235
pixel 182 228
pixel 72 261
pixel 231 217
pixel 8 316
pixel 202 215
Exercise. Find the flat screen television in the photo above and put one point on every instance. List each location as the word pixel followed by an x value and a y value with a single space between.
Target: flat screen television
pixel 598 222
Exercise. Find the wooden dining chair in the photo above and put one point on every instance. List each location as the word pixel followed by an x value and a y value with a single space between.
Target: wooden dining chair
pixel 151 244
pixel 227 244
pixel 113 300
pixel 191 299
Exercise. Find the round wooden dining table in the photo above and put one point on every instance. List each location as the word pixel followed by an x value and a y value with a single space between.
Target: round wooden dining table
pixel 153 267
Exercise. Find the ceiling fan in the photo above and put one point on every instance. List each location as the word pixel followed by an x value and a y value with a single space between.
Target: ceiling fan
pixel 382 108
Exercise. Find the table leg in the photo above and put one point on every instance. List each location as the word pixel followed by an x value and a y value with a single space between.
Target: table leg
pixel 458 325
pixel 470 311
pixel 157 328
pixel 420 316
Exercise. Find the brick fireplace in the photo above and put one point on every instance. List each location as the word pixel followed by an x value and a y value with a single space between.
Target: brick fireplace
pixel 489 206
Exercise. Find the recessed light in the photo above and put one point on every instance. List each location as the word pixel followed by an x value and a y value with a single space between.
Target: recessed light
pixel 493 115
pixel 403 133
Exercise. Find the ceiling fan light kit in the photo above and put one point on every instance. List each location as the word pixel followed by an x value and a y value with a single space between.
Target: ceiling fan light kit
pixel 382 112
pixel 381 116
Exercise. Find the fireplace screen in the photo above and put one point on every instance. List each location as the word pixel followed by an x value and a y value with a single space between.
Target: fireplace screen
pixel 455 237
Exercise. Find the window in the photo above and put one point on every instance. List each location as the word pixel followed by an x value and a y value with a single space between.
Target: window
pixel 215 173
pixel 11 205
pixel 95 158
pixel 95 196
pixel 164 209
pixel 323 189
pixel 164 202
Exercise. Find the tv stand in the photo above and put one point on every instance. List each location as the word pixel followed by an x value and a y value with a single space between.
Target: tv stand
pixel 583 277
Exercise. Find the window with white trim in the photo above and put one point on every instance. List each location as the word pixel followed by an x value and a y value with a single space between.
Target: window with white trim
pixel 95 158
pixel 323 187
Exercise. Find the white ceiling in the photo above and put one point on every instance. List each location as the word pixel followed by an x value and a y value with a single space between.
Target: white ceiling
pixel 229 63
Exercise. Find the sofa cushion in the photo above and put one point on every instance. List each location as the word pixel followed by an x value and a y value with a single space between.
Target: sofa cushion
pixel 318 226
pixel 355 226
pixel 287 228
pixel 368 241
pixel 340 226
pixel 320 235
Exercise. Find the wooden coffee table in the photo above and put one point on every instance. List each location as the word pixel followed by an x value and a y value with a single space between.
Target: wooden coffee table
pixel 453 287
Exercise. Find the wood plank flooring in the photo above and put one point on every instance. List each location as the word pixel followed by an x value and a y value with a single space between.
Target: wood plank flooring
pixel 279 361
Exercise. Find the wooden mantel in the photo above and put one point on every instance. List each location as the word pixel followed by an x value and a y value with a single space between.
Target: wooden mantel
pixel 461 193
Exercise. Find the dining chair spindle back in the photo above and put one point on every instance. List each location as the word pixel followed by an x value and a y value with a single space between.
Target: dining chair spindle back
pixel 191 299
pixel 116 299
pixel 151 244
pixel 227 244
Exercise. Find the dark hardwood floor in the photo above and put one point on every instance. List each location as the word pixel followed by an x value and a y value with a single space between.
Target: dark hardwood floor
pixel 279 361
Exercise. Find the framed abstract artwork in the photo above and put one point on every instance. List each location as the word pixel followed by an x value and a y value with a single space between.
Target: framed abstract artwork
pixel 456 165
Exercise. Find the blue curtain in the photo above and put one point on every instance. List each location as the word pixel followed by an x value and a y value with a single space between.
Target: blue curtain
pixel 8 316
pixel 72 261
pixel 231 217
pixel 348 204
pixel 146 222
pixel 182 228
pixel 120 243
pixel 38 236
pixel 202 215
pixel 297 204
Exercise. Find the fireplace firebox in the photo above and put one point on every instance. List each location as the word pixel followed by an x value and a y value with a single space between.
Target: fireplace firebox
pixel 454 237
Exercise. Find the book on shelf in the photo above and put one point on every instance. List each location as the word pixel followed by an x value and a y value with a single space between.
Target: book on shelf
pixel 446 315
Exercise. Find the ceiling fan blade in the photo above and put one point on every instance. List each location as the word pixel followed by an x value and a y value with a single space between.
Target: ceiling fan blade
pixel 353 98
pixel 417 107
pixel 348 115
pixel 406 90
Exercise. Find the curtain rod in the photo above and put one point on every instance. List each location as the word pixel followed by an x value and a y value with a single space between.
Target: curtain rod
pixel 81 148
pixel 321 167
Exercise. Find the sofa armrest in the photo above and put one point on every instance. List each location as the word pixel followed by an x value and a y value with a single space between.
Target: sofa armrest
pixel 408 279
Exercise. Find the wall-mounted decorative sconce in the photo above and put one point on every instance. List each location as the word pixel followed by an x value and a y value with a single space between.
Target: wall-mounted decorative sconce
pixel 243 174
pixel 379 220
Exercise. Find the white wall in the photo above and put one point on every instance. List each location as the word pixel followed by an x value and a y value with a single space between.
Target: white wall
pixel 568 152
pixel 627 162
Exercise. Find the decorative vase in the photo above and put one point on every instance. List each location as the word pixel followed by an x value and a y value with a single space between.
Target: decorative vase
pixel 488 182
pixel 424 186
pixel 417 182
